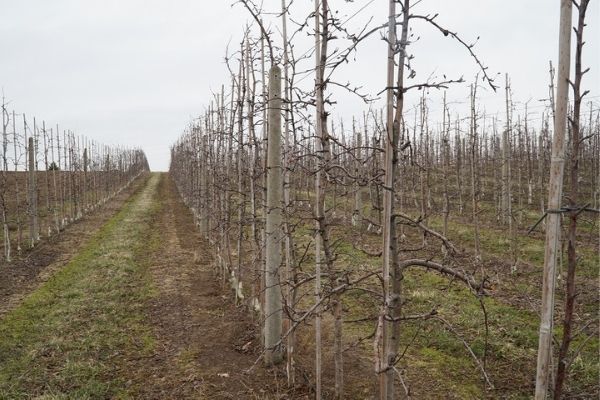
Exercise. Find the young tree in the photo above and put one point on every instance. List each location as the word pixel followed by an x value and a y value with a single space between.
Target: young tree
pixel 392 275
pixel 574 207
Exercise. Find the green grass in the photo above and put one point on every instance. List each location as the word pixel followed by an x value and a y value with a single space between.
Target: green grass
pixel 439 353
pixel 67 338
pixel 496 242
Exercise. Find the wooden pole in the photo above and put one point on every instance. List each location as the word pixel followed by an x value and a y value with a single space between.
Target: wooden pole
pixel 3 190
pixel 274 233
pixel 18 203
pixel 555 191
pixel 33 222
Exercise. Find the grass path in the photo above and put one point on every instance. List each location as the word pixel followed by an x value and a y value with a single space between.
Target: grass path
pixel 68 339
pixel 203 342
pixel 137 314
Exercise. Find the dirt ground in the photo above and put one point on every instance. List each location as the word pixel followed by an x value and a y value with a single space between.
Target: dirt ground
pixel 28 271
pixel 204 343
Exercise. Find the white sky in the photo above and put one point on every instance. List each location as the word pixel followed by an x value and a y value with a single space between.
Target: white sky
pixel 134 72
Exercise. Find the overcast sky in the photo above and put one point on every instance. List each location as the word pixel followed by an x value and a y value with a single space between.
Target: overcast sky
pixel 134 72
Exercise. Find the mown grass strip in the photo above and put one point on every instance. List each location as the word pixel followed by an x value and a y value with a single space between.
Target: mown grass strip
pixel 433 350
pixel 68 338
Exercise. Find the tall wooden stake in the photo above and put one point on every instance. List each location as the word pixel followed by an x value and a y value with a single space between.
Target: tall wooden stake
pixel 33 217
pixel 274 234
pixel 555 191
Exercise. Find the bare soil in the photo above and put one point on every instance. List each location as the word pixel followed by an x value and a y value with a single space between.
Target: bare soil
pixel 204 342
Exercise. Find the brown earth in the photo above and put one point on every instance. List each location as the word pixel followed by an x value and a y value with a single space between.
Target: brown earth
pixel 204 342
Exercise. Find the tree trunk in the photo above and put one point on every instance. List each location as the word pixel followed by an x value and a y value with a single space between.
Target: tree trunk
pixel 474 168
pixel 392 274
pixel 571 293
